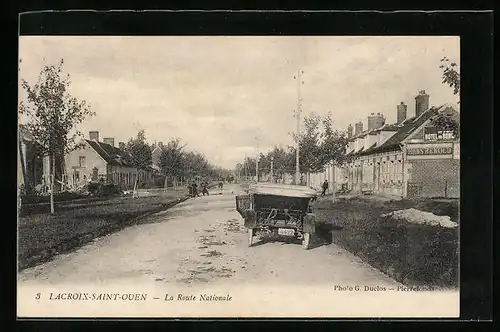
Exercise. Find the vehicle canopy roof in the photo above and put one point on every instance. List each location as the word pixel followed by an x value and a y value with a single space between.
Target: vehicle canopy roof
pixel 288 190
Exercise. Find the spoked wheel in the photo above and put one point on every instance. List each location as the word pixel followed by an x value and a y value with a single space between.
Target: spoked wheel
pixel 306 241
pixel 250 236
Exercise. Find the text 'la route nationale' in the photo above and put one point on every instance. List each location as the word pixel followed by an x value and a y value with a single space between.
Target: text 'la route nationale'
pixel 133 297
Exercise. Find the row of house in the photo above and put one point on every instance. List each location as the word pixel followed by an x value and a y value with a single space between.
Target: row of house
pixel 96 160
pixel 408 158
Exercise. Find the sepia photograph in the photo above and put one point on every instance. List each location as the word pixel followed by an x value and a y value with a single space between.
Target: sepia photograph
pixel 238 176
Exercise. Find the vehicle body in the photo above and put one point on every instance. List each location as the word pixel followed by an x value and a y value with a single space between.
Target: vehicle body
pixel 279 209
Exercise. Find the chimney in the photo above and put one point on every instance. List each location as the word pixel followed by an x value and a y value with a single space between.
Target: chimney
pixel 375 121
pixel 121 145
pixel 421 103
pixel 358 128
pixel 349 131
pixel 401 114
pixel 94 136
pixel 109 140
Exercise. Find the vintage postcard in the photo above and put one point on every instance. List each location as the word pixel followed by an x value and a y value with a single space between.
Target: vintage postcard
pixel 242 176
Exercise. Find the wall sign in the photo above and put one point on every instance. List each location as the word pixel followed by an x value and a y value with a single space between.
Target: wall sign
pixel 426 151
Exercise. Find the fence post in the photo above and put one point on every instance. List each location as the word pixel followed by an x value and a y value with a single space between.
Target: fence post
pixel 445 188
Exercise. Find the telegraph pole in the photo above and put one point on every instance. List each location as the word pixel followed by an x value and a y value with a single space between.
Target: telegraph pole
pixel 257 161
pixel 298 77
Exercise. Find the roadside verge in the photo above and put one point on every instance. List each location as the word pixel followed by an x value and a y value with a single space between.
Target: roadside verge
pixel 42 236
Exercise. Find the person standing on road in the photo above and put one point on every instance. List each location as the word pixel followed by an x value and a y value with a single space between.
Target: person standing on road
pixel 325 187
pixel 344 185
pixel 194 188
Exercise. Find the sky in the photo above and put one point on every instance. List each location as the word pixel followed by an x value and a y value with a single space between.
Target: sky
pixel 229 97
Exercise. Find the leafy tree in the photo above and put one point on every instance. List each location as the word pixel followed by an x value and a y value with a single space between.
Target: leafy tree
pixel 310 154
pixel 320 145
pixel 283 162
pixel 171 158
pixel 52 115
pixel 334 144
pixel 139 150
pixel 450 74
pixel 448 121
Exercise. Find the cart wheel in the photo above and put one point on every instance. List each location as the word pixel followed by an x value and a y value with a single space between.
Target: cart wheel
pixel 306 241
pixel 250 237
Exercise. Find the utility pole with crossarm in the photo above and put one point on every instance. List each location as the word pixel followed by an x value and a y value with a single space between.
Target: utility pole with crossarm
pixel 298 77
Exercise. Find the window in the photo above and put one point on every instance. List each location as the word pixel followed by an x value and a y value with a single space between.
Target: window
pixel 83 161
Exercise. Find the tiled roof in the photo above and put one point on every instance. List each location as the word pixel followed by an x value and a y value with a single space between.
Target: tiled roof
pixel 387 127
pixel 112 155
pixel 369 150
pixel 359 152
pixel 404 130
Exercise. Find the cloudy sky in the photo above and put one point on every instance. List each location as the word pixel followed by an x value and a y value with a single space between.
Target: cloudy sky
pixel 217 94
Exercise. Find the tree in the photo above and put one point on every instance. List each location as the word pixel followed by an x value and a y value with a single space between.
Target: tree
pixel 139 153
pixel 139 150
pixel 334 144
pixel 310 155
pixel 249 166
pixel 283 162
pixel 171 158
pixel 450 74
pixel 448 121
pixel 52 114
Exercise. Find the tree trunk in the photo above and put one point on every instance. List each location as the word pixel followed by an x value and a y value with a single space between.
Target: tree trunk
pixel 23 165
pixel 52 180
pixel 333 183
pixel 135 183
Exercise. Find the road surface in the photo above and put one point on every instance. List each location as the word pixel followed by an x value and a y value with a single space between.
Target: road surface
pixel 200 241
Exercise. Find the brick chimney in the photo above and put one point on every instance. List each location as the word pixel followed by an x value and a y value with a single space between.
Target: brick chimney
pixel 94 136
pixel 358 128
pixel 402 113
pixel 349 131
pixel 109 140
pixel 421 103
pixel 121 145
pixel 375 121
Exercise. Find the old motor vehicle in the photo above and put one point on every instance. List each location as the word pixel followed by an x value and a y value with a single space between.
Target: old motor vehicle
pixel 279 209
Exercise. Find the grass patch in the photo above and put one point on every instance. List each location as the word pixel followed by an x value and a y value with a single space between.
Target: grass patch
pixel 410 253
pixel 39 232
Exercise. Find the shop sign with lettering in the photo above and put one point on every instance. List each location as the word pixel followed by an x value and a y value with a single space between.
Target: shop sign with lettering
pixel 429 151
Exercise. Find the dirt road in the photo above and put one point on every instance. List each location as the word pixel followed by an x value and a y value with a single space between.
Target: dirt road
pixel 202 241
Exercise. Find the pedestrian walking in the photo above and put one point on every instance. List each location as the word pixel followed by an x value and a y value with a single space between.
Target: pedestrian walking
pixel 325 187
pixel 204 189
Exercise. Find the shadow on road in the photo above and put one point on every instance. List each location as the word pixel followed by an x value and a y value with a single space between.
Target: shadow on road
pixel 317 241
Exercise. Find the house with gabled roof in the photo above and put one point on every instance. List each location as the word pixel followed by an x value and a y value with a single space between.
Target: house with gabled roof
pixel 98 160
pixel 408 158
